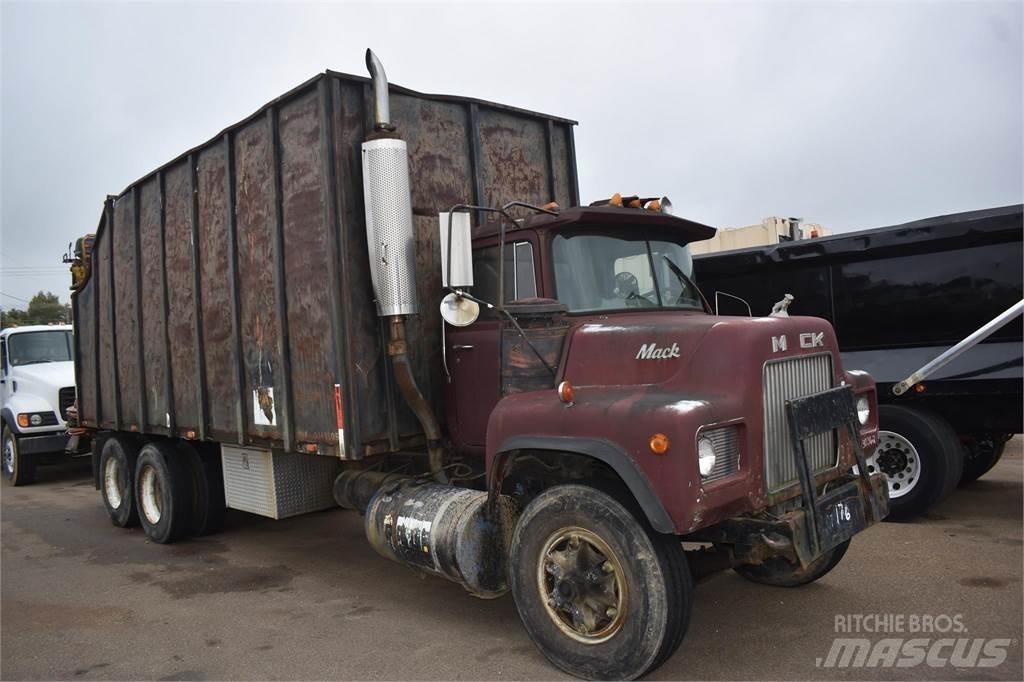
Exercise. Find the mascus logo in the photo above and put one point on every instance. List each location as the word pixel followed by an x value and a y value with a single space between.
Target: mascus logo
pixel 650 351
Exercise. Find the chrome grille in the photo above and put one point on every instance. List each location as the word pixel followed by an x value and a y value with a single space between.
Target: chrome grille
pixel 727 451
pixel 784 380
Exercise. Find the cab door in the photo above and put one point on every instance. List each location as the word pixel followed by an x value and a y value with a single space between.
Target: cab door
pixel 5 381
pixel 473 353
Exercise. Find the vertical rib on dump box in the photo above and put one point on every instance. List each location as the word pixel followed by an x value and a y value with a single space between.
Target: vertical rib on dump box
pixel 230 299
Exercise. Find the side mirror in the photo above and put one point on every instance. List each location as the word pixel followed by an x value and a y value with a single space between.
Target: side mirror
pixel 460 256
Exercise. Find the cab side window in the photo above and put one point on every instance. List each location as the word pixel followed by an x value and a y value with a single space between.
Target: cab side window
pixel 520 275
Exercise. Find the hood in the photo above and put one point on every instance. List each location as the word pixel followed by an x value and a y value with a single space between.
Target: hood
pixel 44 375
pixel 658 348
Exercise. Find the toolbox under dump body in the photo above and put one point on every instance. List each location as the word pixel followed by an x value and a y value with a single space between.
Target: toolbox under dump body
pixel 229 296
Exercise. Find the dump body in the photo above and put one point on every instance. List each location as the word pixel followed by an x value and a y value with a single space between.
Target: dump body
pixel 229 295
pixel 898 296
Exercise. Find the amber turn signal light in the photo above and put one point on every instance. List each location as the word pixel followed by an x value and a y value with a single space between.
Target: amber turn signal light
pixel 23 420
pixel 565 392
pixel 659 443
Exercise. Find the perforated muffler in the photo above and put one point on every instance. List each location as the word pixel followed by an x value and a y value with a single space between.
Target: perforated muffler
pixel 390 234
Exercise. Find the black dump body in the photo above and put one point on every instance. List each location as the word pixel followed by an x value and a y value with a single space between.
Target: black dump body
pixel 897 297
pixel 229 296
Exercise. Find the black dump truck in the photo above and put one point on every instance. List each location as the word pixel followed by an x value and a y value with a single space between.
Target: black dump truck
pixel 898 297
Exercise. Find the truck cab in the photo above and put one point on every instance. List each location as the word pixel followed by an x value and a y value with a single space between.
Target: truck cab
pixel 37 386
pixel 687 409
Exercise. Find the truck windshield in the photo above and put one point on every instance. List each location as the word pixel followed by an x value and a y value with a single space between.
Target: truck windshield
pixel 627 269
pixel 29 348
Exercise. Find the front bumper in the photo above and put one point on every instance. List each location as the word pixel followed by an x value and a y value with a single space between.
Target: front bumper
pixel 828 515
pixel 756 539
pixel 47 443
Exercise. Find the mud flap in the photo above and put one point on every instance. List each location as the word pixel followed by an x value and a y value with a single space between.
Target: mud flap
pixel 838 515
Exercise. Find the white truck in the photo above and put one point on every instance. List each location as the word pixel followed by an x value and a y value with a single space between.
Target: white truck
pixel 37 386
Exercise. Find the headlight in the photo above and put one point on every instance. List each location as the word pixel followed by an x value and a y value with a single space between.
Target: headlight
pixel 705 456
pixel 863 409
pixel 35 420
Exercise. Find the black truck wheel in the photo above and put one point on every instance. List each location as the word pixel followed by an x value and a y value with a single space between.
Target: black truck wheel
pixel 921 455
pixel 117 480
pixel 781 573
pixel 207 515
pixel 18 468
pixel 981 453
pixel 163 489
pixel 600 593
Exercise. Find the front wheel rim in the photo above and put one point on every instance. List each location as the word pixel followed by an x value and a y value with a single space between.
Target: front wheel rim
pixel 8 463
pixel 897 458
pixel 113 485
pixel 151 495
pixel 582 585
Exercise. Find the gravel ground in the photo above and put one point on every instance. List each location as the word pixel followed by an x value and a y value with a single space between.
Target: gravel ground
pixel 307 598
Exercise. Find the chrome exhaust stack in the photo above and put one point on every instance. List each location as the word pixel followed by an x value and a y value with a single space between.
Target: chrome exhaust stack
pixel 381 103
pixel 390 233
pixel 391 240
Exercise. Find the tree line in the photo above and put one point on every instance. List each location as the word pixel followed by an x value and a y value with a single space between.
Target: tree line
pixel 44 308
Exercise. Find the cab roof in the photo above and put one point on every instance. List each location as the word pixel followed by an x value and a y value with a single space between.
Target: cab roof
pixel 608 216
pixel 7 331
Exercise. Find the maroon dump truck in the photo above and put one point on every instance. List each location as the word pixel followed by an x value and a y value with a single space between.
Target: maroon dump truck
pixel 366 296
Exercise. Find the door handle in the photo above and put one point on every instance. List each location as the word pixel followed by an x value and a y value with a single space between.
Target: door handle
pixel 462 347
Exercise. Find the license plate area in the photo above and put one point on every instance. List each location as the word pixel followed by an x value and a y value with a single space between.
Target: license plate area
pixel 840 516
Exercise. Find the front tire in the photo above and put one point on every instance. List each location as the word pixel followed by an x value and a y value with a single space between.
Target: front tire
pixel 779 572
pixel 163 490
pixel 18 468
pixel 921 456
pixel 599 592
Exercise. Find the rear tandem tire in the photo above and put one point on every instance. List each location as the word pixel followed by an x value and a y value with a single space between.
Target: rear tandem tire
pixel 588 549
pixel 163 491
pixel 779 572
pixel 207 516
pixel 908 432
pixel 117 480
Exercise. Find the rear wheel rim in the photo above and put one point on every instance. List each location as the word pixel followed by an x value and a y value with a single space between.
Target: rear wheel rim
pixel 8 463
pixel 113 485
pixel 151 495
pixel 582 585
pixel 897 458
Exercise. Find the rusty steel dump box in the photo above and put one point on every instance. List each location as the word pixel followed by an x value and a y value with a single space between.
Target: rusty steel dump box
pixel 229 297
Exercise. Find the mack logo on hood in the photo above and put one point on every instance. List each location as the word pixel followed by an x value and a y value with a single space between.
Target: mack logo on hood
pixel 650 351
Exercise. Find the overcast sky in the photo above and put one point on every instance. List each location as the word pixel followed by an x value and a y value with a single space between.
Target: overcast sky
pixel 849 115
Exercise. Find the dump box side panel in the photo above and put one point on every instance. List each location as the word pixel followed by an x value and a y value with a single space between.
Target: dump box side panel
pixel 254 207
pixel 126 310
pixel 103 275
pixel 309 260
pixel 230 296
pixel 154 344
pixel 218 350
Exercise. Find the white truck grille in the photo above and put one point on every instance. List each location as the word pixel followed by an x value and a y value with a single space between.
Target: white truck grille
pixel 783 380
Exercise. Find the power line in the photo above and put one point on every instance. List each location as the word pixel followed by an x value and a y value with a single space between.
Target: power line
pixel 14 297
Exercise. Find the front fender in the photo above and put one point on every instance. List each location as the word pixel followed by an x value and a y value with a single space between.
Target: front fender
pixel 613 425
pixel 26 402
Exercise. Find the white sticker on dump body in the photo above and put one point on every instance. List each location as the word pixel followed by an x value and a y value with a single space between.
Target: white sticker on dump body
pixel 263 408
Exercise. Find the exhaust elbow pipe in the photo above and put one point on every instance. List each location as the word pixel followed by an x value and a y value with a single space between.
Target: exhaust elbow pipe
pixel 381 106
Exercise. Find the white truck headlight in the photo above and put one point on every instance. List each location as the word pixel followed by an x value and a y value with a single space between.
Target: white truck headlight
pixel 705 456
pixel 35 419
pixel 863 409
